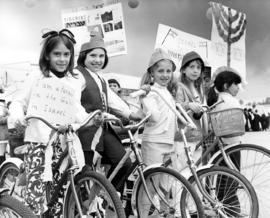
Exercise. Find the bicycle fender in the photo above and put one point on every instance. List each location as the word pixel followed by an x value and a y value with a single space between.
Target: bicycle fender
pixel 16 161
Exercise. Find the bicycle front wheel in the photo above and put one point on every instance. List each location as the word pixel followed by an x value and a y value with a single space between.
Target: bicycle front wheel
pixel 234 196
pixel 97 197
pixel 11 207
pixel 254 164
pixel 165 187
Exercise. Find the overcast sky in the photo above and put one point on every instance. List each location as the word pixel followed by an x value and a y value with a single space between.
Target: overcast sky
pixel 20 32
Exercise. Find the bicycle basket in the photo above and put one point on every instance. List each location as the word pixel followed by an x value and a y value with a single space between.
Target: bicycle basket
pixel 228 122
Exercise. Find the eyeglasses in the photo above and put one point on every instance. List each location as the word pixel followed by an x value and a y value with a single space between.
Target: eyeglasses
pixel 63 32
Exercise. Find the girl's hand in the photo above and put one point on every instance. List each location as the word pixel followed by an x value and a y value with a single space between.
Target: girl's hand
pixel 98 120
pixel 136 116
pixel 195 107
pixel 146 88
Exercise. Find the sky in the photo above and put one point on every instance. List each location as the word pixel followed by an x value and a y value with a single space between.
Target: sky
pixel 21 26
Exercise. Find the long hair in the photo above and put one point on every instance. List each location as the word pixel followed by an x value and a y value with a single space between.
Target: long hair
pixel 83 54
pixel 198 82
pixel 48 45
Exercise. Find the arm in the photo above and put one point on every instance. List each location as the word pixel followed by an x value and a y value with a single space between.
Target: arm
pixel 150 104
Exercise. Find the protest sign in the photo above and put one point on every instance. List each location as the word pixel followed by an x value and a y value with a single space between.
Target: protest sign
pixel 177 43
pixel 52 100
pixel 107 20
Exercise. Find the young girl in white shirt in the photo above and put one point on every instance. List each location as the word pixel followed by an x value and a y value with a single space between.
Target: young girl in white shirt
pixel 56 64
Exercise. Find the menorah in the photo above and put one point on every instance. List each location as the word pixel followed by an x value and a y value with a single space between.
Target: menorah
pixel 225 20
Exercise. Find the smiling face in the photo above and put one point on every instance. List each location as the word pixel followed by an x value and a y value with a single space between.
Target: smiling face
pixel 162 72
pixel 59 58
pixel 95 59
pixel 193 70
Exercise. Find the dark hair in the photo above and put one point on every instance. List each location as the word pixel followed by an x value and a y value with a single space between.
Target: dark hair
pixel 114 81
pixel 52 39
pixel 224 77
pixel 82 57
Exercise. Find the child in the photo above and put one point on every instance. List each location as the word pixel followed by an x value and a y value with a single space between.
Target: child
pixel 225 87
pixel 96 94
pixel 158 135
pixel 190 95
pixel 56 64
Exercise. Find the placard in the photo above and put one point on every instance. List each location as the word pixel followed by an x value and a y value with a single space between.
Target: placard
pixel 52 100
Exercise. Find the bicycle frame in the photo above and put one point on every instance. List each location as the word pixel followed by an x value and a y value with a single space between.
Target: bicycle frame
pixel 139 165
pixel 72 166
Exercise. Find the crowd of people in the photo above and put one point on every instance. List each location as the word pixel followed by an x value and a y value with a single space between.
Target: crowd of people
pixel 160 138
pixel 256 121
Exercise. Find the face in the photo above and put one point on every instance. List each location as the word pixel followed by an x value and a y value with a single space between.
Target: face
pixel 162 72
pixel 114 87
pixel 95 59
pixel 193 70
pixel 233 89
pixel 59 58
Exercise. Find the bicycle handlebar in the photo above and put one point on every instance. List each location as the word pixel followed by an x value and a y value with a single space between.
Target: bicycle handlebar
pixel 55 127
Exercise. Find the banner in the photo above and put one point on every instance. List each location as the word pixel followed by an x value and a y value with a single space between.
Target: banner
pixel 107 20
pixel 52 100
pixel 228 38
pixel 177 43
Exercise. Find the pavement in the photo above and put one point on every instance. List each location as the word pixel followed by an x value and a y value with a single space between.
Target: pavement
pixel 259 138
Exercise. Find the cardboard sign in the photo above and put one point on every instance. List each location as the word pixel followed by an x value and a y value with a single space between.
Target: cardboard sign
pixel 108 21
pixel 52 100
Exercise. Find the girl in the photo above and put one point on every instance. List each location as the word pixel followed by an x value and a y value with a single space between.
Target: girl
pixel 56 64
pixel 190 95
pixel 225 87
pixel 158 135
pixel 96 94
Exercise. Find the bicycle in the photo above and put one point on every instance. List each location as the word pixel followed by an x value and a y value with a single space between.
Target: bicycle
pixel 11 207
pixel 162 200
pixel 254 161
pixel 87 193
pixel 210 181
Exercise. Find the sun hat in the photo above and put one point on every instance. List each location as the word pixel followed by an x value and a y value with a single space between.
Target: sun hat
pixel 191 56
pixel 158 55
pixel 96 41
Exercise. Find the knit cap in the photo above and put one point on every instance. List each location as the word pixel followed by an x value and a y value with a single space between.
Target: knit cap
pixel 96 41
pixel 191 56
pixel 158 55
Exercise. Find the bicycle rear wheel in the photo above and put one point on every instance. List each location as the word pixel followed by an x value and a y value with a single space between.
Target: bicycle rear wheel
pixel 11 207
pixel 97 197
pixel 165 187
pixel 234 195
pixel 254 164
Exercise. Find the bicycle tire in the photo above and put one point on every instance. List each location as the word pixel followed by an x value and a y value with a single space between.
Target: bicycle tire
pixel 11 207
pixel 255 166
pixel 6 181
pixel 196 208
pixel 113 202
pixel 233 192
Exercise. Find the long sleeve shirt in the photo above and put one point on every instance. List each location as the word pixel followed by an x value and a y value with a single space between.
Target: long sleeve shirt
pixel 162 125
pixel 37 131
